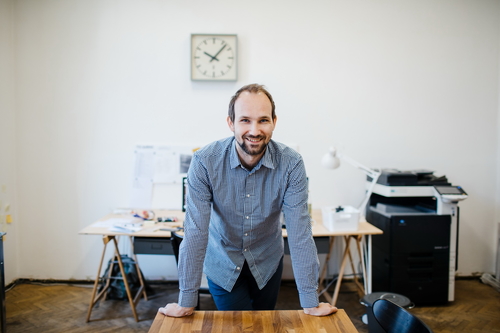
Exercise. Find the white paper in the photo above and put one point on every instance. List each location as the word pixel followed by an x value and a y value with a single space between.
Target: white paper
pixel 119 221
pixel 142 193
pixel 124 229
pixel 158 165
pixel 142 182
pixel 166 165
pixel 171 163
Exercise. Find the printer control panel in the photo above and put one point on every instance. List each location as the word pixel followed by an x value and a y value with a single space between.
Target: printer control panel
pixel 451 193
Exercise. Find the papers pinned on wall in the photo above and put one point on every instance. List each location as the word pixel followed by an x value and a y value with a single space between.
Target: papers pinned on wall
pixel 158 164
pixel 171 163
pixel 142 182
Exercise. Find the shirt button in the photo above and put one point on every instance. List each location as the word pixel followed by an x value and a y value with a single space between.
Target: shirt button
pixel 238 268
pixel 248 195
pixel 245 250
pixel 246 233
pixel 247 217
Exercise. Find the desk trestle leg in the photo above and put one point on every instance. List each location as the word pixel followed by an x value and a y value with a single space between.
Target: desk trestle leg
pixel 142 289
pixel 132 300
pixel 361 289
pixel 347 254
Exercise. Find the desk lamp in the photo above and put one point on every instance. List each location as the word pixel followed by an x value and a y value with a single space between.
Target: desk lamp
pixel 331 160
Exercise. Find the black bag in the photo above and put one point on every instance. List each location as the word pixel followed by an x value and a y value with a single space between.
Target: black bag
pixel 116 288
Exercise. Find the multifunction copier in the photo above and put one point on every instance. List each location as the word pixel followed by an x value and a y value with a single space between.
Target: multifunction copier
pixel 416 255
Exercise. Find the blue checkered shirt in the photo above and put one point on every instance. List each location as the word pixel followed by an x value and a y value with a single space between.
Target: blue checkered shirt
pixel 233 215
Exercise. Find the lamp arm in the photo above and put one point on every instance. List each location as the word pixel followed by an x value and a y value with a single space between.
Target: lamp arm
pixel 368 194
pixel 372 173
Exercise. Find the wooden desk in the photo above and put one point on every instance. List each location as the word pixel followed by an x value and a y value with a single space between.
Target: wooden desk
pixel 253 321
pixel 111 236
pixel 365 230
pixel 363 239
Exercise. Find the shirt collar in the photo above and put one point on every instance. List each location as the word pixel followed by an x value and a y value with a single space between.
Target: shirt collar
pixel 266 160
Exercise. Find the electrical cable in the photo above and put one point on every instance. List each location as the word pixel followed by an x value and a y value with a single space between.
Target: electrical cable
pixel 491 280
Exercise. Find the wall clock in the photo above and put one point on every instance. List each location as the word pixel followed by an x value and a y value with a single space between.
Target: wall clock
pixel 214 57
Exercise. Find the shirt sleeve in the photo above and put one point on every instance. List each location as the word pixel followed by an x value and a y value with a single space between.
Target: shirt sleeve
pixel 303 250
pixel 193 247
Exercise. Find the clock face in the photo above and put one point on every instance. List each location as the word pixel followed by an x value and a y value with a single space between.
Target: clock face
pixel 214 57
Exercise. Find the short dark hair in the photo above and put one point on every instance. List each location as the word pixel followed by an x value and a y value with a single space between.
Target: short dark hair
pixel 251 88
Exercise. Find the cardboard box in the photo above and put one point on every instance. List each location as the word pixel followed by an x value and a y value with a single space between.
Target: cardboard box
pixel 345 220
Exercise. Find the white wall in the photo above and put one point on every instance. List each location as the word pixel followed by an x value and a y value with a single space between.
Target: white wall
pixel 403 84
pixel 8 175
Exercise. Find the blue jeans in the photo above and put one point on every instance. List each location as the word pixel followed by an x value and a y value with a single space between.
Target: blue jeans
pixel 246 295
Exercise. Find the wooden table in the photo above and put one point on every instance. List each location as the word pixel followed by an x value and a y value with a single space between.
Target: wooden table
pixel 253 321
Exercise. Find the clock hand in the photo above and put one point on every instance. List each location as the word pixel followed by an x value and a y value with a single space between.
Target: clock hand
pixel 211 57
pixel 215 56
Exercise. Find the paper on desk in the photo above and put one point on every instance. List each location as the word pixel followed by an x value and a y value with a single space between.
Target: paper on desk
pixel 125 229
pixel 121 224
pixel 126 225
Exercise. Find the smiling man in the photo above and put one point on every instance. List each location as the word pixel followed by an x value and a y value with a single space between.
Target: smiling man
pixel 237 189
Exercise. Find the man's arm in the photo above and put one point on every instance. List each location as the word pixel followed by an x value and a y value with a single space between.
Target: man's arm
pixel 193 247
pixel 302 247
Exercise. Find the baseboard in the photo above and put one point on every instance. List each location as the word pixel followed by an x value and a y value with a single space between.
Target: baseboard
pixel 73 282
pixel 153 282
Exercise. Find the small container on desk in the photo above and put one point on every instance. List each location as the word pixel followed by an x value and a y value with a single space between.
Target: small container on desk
pixel 340 218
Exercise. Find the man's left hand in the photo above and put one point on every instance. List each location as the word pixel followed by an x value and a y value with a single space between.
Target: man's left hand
pixel 175 310
pixel 323 309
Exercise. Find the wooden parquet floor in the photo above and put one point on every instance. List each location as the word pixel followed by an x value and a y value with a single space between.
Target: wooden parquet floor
pixel 54 308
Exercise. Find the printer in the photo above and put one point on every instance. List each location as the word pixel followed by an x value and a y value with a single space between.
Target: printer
pixel 416 256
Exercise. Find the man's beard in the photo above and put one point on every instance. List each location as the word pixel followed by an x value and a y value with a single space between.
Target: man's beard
pixel 244 145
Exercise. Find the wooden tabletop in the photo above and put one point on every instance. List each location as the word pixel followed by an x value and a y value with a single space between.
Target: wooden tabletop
pixel 97 227
pixel 318 229
pixel 253 322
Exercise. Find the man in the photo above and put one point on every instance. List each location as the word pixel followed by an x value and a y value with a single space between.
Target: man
pixel 237 189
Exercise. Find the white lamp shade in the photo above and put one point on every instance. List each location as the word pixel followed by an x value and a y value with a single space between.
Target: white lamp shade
pixel 330 160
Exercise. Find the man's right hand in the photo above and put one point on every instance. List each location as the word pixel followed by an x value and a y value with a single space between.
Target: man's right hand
pixel 323 309
pixel 174 310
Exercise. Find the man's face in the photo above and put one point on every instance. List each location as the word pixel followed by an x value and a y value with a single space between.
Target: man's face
pixel 253 124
